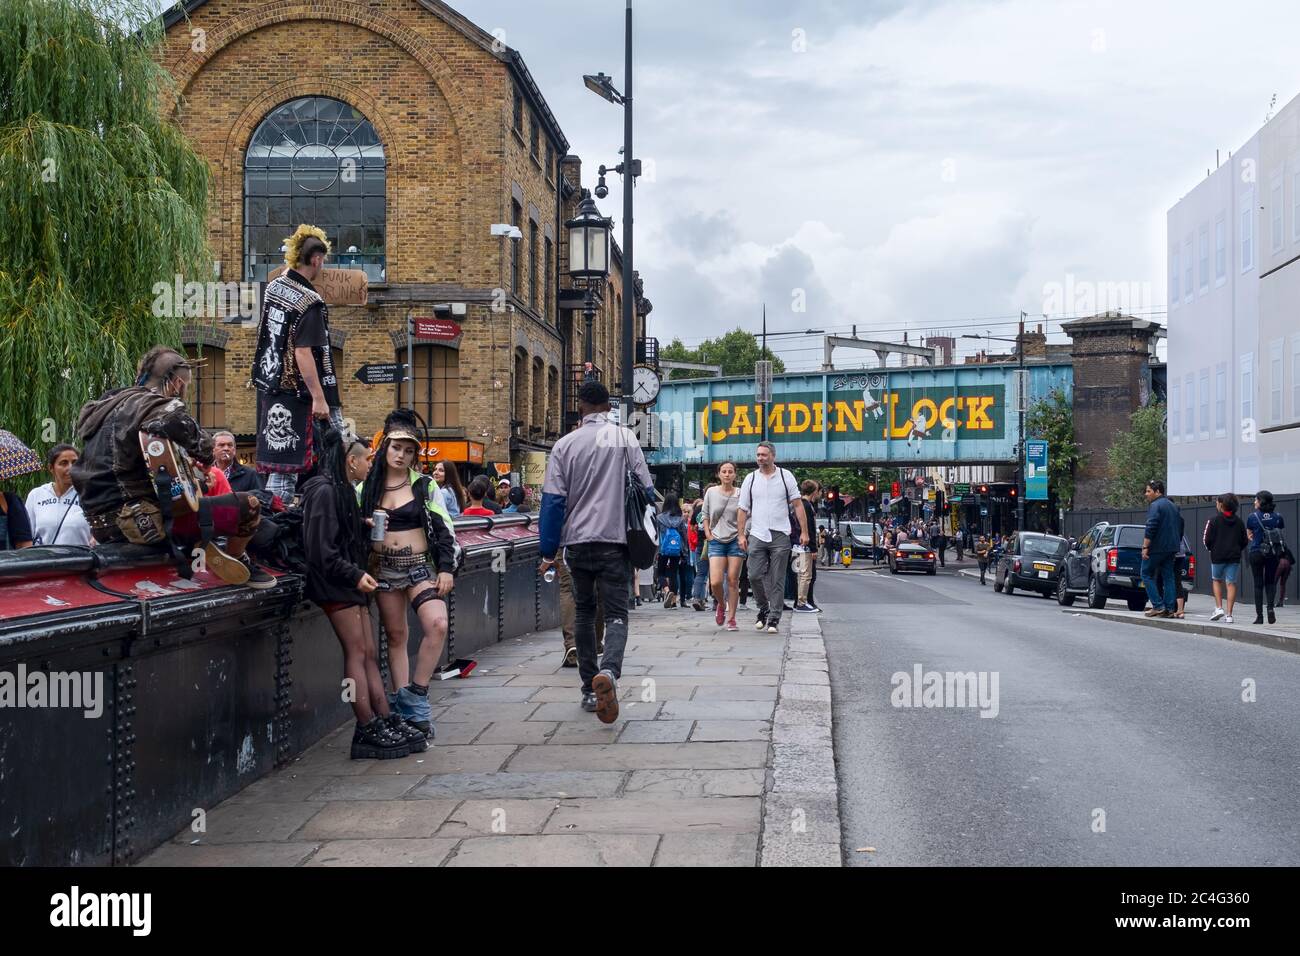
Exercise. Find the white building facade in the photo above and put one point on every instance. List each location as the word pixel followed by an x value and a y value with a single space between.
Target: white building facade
pixel 1234 321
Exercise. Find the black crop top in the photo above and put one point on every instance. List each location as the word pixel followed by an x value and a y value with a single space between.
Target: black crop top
pixel 405 518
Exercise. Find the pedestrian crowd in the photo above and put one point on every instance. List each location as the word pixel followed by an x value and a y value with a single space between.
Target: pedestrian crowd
pixel 359 524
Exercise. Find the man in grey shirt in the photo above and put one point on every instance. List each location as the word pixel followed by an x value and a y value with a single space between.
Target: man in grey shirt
pixel 583 512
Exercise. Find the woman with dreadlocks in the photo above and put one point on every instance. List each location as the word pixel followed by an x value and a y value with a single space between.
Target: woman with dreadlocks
pixel 415 562
pixel 334 541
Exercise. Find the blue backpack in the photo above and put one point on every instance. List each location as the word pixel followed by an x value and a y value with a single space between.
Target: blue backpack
pixel 670 544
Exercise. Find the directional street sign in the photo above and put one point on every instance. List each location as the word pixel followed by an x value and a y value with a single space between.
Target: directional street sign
pixel 380 374
pixel 435 330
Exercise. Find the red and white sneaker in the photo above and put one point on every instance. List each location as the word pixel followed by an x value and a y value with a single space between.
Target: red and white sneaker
pixel 732 625
pixel 720 615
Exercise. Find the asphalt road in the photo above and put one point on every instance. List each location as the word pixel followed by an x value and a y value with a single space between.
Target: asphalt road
pixel 1092 718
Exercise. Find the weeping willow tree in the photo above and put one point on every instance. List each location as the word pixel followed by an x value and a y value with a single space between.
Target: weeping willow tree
pixel 100 198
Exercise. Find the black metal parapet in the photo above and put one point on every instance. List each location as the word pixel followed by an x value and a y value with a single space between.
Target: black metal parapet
pixel 192 690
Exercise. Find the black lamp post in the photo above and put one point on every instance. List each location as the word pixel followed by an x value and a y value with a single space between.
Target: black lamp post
pixel 589 259
pixel 630 168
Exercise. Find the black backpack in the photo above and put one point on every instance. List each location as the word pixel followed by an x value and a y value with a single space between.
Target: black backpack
pixel 1272 544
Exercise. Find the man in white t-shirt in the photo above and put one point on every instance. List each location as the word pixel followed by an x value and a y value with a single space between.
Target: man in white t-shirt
pixel 766 497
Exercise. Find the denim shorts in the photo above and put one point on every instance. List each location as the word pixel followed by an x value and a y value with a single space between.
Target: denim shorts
pixel 725 549
pixel 1225 572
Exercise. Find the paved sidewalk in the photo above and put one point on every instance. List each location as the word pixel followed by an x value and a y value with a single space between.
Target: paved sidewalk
pixel 1284 635
pixel 521 775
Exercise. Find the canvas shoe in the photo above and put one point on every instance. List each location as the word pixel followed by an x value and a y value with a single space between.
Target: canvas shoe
pixel 1218 613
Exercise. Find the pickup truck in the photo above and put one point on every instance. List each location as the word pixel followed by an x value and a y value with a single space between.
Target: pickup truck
pixel 1107 563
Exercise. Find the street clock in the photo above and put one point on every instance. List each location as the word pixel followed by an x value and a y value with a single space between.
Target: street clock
pixel 645 385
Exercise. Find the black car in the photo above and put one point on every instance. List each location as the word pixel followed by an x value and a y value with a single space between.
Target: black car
pixel 1107 563
pixel 1031 562
pixel 910 556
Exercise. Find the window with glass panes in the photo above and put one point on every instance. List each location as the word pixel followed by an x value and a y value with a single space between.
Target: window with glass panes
pixel 532 263
pixel 317 160
pixel 516 217
pixel 207 392
pixel 437 385
pixel 548 279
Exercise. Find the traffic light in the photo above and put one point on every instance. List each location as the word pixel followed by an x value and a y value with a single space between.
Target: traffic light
pixel 984 489
pixel 871 487
pixel 1012 492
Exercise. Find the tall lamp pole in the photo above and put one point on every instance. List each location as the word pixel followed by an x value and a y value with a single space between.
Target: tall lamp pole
pixel 630 169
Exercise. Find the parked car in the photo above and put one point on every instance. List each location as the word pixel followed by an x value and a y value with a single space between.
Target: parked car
pixel 862 537
pixel 910 556
pixel 1030 561
pixel 1107 563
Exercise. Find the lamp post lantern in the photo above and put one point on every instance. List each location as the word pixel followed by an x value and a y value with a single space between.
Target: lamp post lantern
pixel 588 259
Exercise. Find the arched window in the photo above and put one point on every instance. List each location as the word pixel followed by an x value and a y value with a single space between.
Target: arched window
pixel 207 396
pixel 437 385
pixel 315 160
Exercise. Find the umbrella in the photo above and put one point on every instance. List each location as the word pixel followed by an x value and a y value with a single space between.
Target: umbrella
pixel 15 457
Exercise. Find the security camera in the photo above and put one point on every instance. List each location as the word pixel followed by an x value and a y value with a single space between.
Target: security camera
pixel 507 230
pixel 601 189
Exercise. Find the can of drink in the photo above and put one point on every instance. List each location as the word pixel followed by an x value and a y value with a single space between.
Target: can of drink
pixel 549 575
pixel 380 528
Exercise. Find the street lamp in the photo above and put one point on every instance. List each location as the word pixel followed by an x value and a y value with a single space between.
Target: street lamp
pixel 1019 494
pixel 603 86
pixel 588 258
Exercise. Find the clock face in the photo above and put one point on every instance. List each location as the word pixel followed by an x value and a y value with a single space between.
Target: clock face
pixel 645 385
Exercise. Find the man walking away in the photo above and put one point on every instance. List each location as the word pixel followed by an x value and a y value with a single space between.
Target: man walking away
pixel 583 512
pixel 1159 547
pixel 982 556
pixel 805 562
pixel 766 499
pixel 1225 539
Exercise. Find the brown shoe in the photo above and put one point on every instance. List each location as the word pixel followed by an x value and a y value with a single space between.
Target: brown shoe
pixel 230 569
pixel 1153 612
pixel 606 691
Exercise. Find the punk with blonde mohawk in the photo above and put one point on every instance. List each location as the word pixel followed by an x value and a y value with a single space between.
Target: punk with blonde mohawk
pixel 294 245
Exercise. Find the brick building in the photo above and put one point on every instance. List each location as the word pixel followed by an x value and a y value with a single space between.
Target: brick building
pixel 406 132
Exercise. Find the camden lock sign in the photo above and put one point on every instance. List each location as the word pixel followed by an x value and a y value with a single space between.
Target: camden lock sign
pixel 955 414
pixel 903 414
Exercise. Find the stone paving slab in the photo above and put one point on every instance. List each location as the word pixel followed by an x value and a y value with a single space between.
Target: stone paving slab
pixel 697 783
pixel 588 849
pixel 723 730
pixel 483 817
pixel 235 854
pixel 661 815
pixel 558 784
pixel 707 849
pixel 702 756
pixel 399 852
pixel 388 819
pixel 734 740
pixel 516 732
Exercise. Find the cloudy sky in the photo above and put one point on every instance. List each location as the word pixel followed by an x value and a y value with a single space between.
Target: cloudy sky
pixel 929 166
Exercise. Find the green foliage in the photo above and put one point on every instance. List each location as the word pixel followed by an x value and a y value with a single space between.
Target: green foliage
pixel 736 352
pixel 100 198
pixel 1052 419
pixel 1137 456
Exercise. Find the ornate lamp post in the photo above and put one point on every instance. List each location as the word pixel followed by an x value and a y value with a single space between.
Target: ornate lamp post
pixel 589 259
